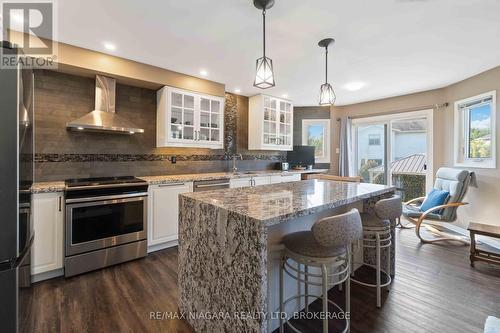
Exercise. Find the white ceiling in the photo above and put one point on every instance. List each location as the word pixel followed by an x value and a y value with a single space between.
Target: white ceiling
pixel 394 46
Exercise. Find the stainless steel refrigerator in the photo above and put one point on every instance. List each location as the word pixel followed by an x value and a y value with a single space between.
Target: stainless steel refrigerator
pixel 16 179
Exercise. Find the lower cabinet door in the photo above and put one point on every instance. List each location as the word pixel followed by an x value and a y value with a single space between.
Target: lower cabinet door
pixel 275 179
pixel 48 219
pixel 240 182
pixel 163 212
pixel 264 180
pixel 291 178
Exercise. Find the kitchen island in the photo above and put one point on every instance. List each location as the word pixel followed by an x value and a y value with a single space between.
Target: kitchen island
pixel 229 245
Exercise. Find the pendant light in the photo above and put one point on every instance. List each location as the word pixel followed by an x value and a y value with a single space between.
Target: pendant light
pixel 264 76
pixel 326 95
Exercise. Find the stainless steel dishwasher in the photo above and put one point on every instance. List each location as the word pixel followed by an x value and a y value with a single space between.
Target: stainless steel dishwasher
pixel 210 185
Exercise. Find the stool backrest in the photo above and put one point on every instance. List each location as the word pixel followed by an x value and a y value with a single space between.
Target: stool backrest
pixel 389 209
pixel 338 230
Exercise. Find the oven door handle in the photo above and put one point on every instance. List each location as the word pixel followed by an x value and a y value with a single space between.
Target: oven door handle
pixel 108 197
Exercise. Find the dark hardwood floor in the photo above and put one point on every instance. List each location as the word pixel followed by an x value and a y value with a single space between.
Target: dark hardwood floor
pixel 435 290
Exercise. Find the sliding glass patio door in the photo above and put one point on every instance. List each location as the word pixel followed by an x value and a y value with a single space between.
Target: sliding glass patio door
pixel 371 152
pixel 395 150
pixel 409 156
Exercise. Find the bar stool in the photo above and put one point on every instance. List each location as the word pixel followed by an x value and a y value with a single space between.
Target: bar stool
pixel 326 246
pixel 377 235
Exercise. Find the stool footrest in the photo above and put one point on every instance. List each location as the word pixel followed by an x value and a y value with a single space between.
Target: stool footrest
pixel 382 272
pixel 286 321
pixel 342 275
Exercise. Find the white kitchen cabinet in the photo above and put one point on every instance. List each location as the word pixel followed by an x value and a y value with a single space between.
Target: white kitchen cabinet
pixel 163 214
pixel 48 225
pixel 270 123
pixel 275 179
pixel 285 178
pixel 240 182
pixel 263 180
pixel 249 181
pixel 188 119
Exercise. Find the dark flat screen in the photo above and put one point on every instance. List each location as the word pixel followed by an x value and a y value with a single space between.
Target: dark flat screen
pixel 301 155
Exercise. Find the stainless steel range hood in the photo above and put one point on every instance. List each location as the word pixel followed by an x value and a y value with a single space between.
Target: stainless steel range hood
pixel 104 117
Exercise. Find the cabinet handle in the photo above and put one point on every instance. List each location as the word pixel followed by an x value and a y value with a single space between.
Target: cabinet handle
pixel 60 204
pixel 170 184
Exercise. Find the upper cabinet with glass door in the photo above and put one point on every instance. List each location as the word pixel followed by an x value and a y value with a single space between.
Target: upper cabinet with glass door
pixel 270 123
pixel 187 119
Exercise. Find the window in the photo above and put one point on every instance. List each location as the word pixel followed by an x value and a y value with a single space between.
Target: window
pixel 316 132
pixel 404 156
pixel 475 134
pixel 374 139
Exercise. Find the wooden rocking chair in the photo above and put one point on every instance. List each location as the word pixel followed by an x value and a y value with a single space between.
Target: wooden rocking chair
pixel 456 182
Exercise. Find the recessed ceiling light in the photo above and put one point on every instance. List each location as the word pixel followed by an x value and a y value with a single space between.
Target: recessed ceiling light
pixel 203 72
pixel 353 86
pixel 284 96
pixel 79 128
pixel 237 90
pixel 109 46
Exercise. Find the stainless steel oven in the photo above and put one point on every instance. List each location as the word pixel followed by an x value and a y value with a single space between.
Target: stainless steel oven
pixel 93 225
pixel 106 223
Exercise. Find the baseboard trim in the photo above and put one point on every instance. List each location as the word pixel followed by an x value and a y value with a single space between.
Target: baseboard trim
pixel 47 275
pixel 162 246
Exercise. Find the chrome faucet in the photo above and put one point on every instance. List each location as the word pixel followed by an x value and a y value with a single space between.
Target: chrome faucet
pixel 236 156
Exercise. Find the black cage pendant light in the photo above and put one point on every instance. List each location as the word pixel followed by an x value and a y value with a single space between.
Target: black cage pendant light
pixel 326 95
pixel 264 76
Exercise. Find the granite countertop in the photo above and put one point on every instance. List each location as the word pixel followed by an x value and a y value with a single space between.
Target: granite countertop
pixel 59 186
pixel 270 204
pixel 154 180
pixel 48 187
